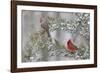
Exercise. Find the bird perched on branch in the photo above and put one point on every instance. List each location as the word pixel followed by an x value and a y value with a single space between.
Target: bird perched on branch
pixel 72 42
pixel 70 46
pixel 44 24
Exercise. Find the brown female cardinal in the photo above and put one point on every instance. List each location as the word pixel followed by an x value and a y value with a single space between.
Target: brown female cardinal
pixel 44 23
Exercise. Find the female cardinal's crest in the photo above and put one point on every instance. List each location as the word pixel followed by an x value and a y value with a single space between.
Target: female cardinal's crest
pixel 71 47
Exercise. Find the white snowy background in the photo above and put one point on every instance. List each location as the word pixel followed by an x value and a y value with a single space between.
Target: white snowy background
pixel 36 46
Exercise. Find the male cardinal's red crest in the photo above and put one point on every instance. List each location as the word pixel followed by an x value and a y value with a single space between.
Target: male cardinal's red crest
pixel 71 47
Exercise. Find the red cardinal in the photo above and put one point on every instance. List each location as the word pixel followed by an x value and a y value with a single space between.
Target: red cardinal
pixel 71 47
